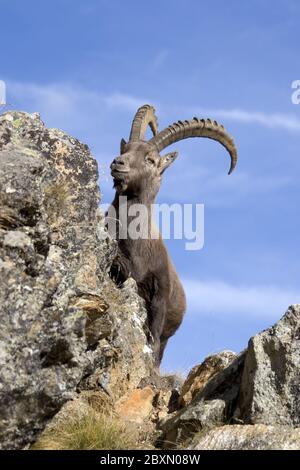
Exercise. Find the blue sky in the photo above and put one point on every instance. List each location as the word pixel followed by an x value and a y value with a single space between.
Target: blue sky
pixel 87 65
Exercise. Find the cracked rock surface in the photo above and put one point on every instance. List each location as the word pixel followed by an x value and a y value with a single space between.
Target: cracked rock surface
pixel 256 392
pixel 65 326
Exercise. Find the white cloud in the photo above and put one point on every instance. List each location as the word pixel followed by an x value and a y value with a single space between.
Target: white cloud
pixel 98 119
pixel 221 298
pixel 55 102
pixel 92 115
pixel 50 95
pixel 271 120
pixel 68 97
pixel 120 100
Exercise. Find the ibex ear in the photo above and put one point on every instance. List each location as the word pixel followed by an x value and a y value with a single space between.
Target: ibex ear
pixel 166 161
pixel 122 146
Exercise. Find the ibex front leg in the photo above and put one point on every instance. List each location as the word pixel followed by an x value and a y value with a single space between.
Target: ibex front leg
pixel 157 319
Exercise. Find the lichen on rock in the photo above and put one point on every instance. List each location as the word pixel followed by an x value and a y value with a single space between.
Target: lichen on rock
pixel 65 326
pixel 260 387
pixel 270 386
pixel 248 437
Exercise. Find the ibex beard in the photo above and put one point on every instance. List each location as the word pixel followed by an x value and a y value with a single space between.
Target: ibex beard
pixel 137 175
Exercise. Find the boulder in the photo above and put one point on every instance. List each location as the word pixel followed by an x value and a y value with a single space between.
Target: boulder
pixel 260 386
pixel 248 437
pixel 183 425
pixel 200 374
pixel 270 386
pixel 65 326
pixel 213 404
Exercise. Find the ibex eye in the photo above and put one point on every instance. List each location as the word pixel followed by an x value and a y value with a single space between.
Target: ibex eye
pixel 150 161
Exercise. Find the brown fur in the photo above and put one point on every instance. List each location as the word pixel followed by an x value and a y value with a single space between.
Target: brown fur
pixel 137 175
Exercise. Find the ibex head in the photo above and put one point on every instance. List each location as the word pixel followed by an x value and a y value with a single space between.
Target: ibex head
pixel 139 168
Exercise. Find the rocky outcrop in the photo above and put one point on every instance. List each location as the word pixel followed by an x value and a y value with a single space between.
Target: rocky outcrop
pixel 212 405
pixel 155 399
pixel 72 340
pixel 270 386
pixel 260 386
pixel 256 437
pixel 201 374
pixel 137 407
pixel 65 326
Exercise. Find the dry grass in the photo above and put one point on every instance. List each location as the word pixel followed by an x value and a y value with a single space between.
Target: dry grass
pixel 8 218
pixel 98 400
pixel 93 431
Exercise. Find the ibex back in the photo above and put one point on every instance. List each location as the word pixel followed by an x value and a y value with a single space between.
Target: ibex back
pixel 137 174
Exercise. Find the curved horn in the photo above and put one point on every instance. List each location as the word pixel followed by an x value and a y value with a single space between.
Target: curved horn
pixel 144 117
pixel 196 128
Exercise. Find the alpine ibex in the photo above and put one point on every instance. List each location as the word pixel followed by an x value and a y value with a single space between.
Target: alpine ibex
pixel 137 176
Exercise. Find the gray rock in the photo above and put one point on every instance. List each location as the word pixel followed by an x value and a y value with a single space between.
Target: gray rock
pixel 270 387
pixel 248 437
pixel 65 326
pixel 225 385
pixel 183 425
pixel 200 374
pixel 17 239
pixel 212 405
pixel 262 385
